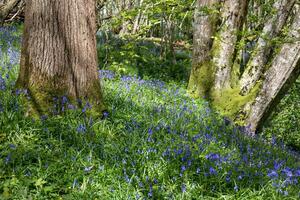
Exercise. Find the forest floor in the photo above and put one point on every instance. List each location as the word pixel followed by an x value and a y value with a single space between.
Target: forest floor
pixel 155 143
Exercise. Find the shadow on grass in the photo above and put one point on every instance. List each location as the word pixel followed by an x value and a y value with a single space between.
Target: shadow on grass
pixel 157 153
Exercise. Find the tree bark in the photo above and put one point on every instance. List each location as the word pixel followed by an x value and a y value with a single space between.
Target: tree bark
pixel 285 66
pixel 233 17
pixel 213 72
pixel 205 22
pixel 58 56
pixel 263 49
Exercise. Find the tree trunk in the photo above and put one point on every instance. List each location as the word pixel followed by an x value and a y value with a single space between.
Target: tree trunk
pixel 283 71
pixel 58 56
pixel 202 71
pixel 263 49
pixel 233 16
pixel 249 102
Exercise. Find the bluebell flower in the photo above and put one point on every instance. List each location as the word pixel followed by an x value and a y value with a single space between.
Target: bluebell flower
pixel 288 172
pixel 88 169
pixel 297 173
pixel 273 174
pixel 277 165
pixel 105 114
pixel 44 117
pixel 71 107
pixel 64 100
pixel 2 83
pixel 81 128
pixel 236 188
pixel 150 193
pixel 8 158
pixel 212 171
pixel 189 163
pixel 227 179
pixel 183 188
pixel 137 196
pixel 183 168
pixel 106 74
pixel 212 156
pixel 150 131
pixel 141 185
pixel 127 178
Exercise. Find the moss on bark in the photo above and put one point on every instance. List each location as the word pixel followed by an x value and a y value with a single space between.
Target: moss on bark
pixel 201 80
pixel 232 104
pixel 46 99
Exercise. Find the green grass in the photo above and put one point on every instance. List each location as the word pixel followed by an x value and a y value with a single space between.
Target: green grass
pixel 284 123
pixel 155 143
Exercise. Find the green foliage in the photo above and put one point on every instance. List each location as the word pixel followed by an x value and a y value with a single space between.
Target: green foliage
pixel 155 143
pixel 230 102
pixel 158 13
pixel 284 122
pixel 142 57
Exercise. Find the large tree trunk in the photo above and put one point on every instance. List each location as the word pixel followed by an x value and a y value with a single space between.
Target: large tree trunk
pixel 201 77
pixel 245 98
pixel 59 56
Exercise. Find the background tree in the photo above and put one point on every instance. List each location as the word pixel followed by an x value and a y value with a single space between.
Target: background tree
pixel 245 89
pixel 59 56
pixel 150 38
pixel 7 6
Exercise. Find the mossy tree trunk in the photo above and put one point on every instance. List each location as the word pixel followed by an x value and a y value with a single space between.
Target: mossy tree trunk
pixel 58 56
pixel 262 51
pixel 205 18
pixel 244 92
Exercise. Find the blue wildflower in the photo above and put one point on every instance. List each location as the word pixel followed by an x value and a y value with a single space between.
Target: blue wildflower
pixel 8 158
pixel 150 193
pixel 297 173
pixel 227 179
pixel 236 188
pixel 105 114
pixel 81 128
pixel 183 188
pixel 87 169
pixel 137 196
pixel 288 172
pixel 273 174
pixel 183 168
pixel 212 156
pixel 212 171
pixel 71 107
